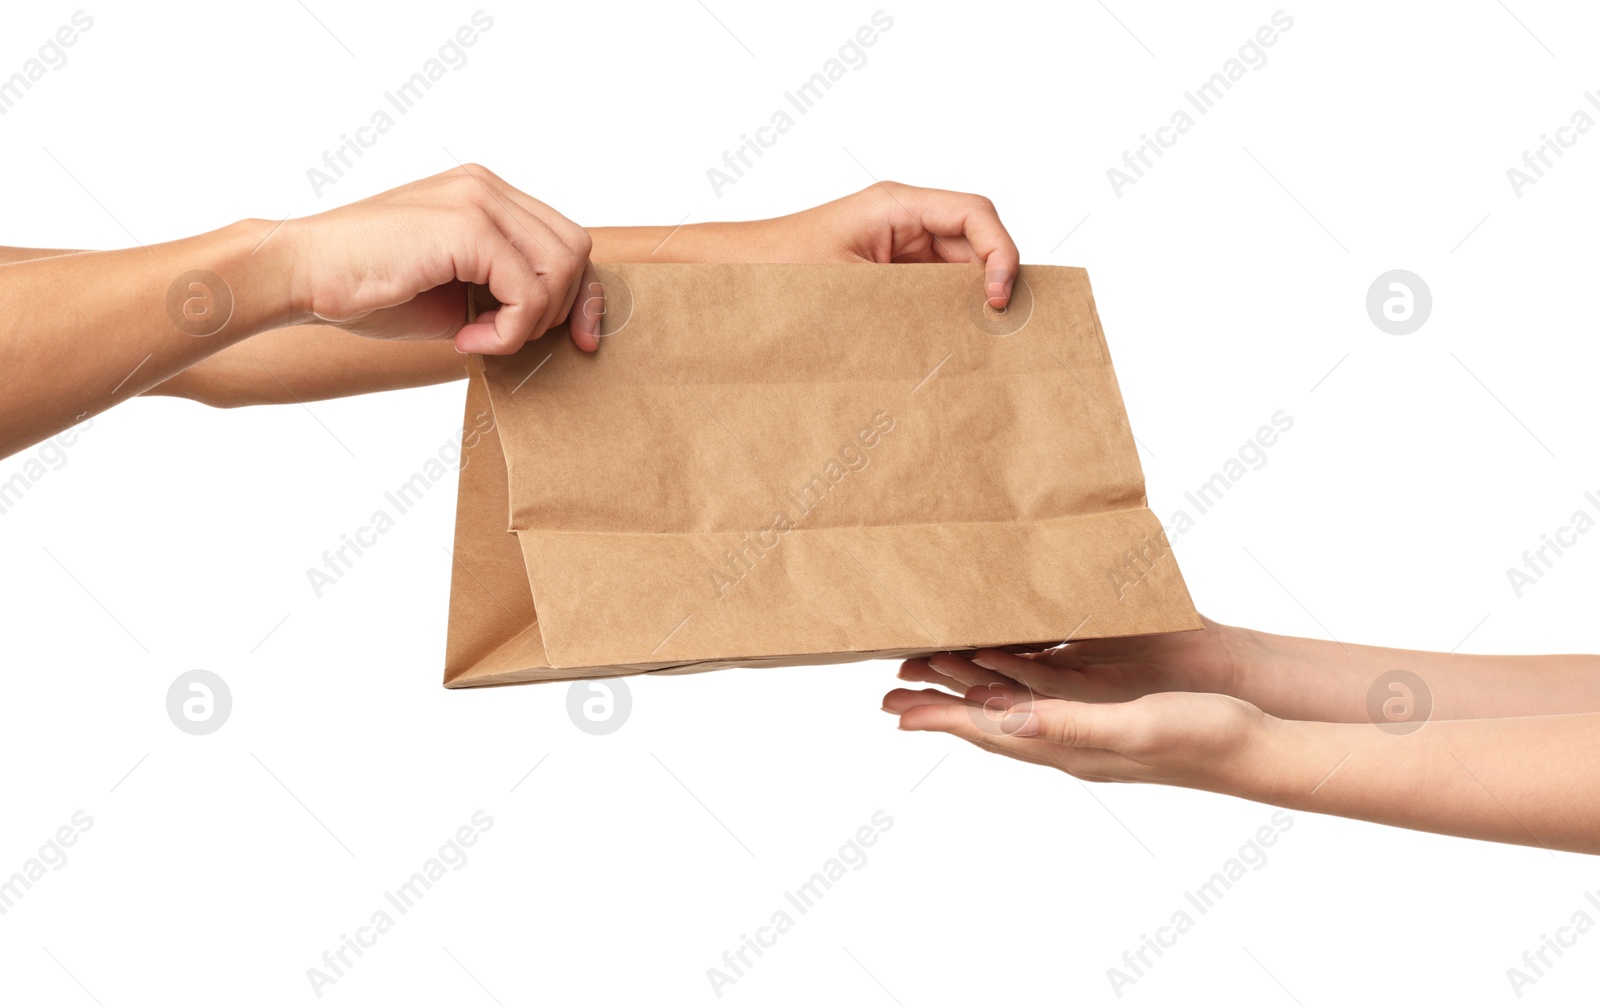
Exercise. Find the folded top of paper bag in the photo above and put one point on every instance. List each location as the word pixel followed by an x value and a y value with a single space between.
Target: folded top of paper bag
pixel 788 464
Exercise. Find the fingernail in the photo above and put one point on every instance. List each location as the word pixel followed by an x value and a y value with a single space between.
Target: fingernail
pixel 980 662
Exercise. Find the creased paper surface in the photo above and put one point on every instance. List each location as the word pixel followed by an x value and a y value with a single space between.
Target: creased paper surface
pixel 786 464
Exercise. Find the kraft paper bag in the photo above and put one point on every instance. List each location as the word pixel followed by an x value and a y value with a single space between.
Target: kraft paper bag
pixel 800 464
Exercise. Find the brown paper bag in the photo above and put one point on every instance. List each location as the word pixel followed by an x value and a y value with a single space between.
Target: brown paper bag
pixel 796 464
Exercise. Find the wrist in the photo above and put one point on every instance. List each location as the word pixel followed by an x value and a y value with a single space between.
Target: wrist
pixel 260 264
pixel 279 244
pixel 1289 761
pixel 1256 664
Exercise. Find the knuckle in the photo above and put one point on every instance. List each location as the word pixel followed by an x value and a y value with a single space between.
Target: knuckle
pixel 1062 731
pixel 503 343
pixel 1077 736
pixel 884 192
pixel 467 185
pixel 477 217
pixel 538 299
pixel 570 263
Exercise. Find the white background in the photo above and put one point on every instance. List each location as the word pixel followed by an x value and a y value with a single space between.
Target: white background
pixel 1231 281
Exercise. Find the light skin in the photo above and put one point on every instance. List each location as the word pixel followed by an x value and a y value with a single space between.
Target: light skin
pixel 1509 753
pixel 372 296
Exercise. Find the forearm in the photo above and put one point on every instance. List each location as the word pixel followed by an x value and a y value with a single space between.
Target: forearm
pixel 299 363
pixel 304 363
pixel 309 362
pixel 1302 679
pixel 1527 780
pixel 742 241
pixel 10 255
pixel 85 331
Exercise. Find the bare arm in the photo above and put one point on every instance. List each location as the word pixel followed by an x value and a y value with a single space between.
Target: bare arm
pixel 9 255
pixel 887 222
pixel 297 363
pixel 86 330
pixel 51 376
pixel 1306 679
pixel 1290 677
pixel 303 363
pixel 1527 780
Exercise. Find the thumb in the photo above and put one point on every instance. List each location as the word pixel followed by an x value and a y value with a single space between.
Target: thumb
pixel 1073 725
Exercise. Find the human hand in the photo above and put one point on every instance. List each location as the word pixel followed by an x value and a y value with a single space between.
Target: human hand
pixel 1113 670
pixel 397 265
pixel 891 222
pixel 1508 779
pixel 1186 739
